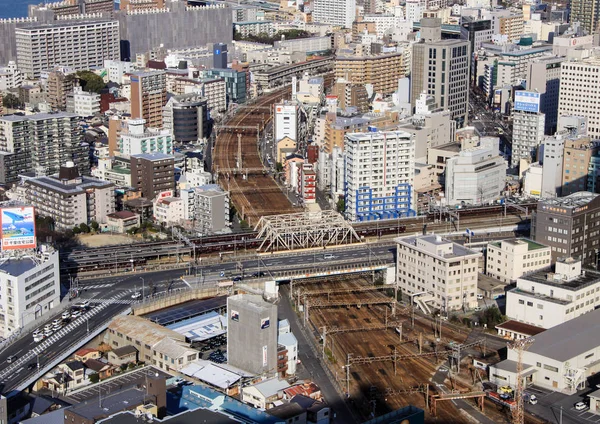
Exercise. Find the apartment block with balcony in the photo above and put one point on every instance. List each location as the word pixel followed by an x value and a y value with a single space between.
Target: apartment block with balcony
pixel 69 198
pixel 148 96
pixel 383 71
pixel 135 139
pixel 152 173
pixel 211 209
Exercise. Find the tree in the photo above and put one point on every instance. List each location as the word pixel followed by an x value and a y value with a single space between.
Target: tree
pixel 90 81
pixel 340 205
pixel 94 378
pixel 76 230
pixel 84 228
pixel 11 101
pixel 279 167
pixel 244 224
pixel 123 367
pixel 94 225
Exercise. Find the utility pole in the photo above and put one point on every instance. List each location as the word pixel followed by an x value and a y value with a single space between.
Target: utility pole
pixel 520 346
pixel 348 376
pixel 324 335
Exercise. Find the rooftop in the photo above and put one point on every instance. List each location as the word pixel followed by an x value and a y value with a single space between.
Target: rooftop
pixel 195 416
pixel 202 327
pixel 122 215
pixel 520 327
pixel 143 329
pixel 152 156
pixel 583 280
pixel 211 373
pixel 16 267
pixel 458 250
pixel 569 339
pixel 54 184
pixel 531 245
pixel 574 200
pixel 270 387
pixel 125 350
pixel 110 404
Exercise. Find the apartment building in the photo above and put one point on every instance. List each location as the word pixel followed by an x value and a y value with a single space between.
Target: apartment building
pixel 382 70
pixel 528 134
pixel 441 69
pixel 152 173
pixel 83 103
pixel 136 139
pixel 543 77
pixel 42 143
pixel 351 95
pixel 510 259
pixel 30 288
pixel 577 161
pixel 148 96
pixel 579 92
pixel 437 273
pixel 586 12
pixel 286 121
pixel 476 176
pixel 213 89
pixel 547 298
pixel 69 198
pixel 570 226
pixel 10 76
pixel 59 84
pixel 211 209
pixel 246 28
pixel 334 12
pixel 235 83
pixel 80 44
pixel 187 117
pixel 379 173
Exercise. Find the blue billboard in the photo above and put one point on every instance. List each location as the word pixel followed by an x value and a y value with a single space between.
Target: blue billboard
pixel 527 101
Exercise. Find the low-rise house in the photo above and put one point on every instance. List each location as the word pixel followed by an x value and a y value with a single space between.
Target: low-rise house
pixel 102 368
pixel 263 394
pixel 87 353
pixel 317 412
pixel 123 355
pixel 515 330
pixel 122 221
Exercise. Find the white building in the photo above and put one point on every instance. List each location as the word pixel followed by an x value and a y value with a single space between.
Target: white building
pixel 335 12
pixel 546 299
pixel 476 176
pixel 212 209
pixel 532 185
pixel 29 288
pixel 578 89
pixel 287 341
pixel 437 272
pixel 559 359
pixel 415 9
pixel 552 162
pixel 262 395
pixel 115 69
pixel 10 77
pixel 107 171
pixel 135 139
pixel 286 121
pixel 246 28
pixel 528 134
pixel 83 103
pixel 168 210
pixel 507 260
pixel 379 170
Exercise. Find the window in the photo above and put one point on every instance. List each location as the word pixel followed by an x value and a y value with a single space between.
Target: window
pixel 529 303
pixel 521 302
pixel 550 368
pixel 589 355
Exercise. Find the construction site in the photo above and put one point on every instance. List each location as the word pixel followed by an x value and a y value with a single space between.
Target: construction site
pixel 384 356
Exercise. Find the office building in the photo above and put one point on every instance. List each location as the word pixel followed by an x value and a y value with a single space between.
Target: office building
pixel 477 176
pixel 148 96
pixel 235 83
pixel 561 358
pixel 83 103
pixel 69 198
pixel 543 77
pixel 41 143
pixel 136 139
pixel 10 76
pixel 379 172
pixel 152 173
pixel 30 288
pixel 252 334
pixel 587 13
pixel 334 12
pixel 441 69
pixel 510 259
pixel 187 117
pixel 528 134
pixel 578 89
pixel 60 83
pixel 116 69
pixel 220 56
pixel 477 32
pixel 381 70
pixel 439 273
pixel 79 44
pixel 211 206
pixel 550 297
pixel 287 116
pixel 564 224
pixel 577 160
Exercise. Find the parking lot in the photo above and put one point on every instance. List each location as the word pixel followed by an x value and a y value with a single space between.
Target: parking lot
pixel 114 384
pixel 551 405
pixel 213 349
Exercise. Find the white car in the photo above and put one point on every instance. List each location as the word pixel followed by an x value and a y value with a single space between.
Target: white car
pixel 48 332
pixel 47 327
pixel 75 313
pixel 66 315
pixel 532 399
pixel 56 322
pixel 38 337
pixel 580 406
pixel 136 295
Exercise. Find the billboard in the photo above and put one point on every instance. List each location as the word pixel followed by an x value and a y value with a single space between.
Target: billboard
pixel 265 355
pixel 265 323
pixel 527 101
pixel 18 228
pixel 235 315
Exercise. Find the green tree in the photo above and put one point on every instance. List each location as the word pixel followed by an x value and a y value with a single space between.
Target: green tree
pixel 244 224
pixel 340 205
pixel 94 378
pixel 94 225
pixel 90 81
pixel 11 101
pixel 123 367
pixel 76 230
pixel 84 228
pixel 279 167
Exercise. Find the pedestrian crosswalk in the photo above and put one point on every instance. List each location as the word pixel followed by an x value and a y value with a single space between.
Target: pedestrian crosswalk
pixel 113 301
pixel 96 286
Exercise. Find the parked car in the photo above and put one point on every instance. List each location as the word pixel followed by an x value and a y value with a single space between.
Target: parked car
pixel 48 327
pixel 48 332
pixel 505 389
pixel 580 406
pixel 75 313
pixel 532 399
pixel 57 321
pixel 38 337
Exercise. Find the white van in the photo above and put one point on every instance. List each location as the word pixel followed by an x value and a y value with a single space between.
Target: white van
pixel 328 256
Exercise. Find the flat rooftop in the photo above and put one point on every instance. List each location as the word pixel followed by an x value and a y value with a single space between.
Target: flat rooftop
pixel 16 267
pixel 583 280
pixel 574 200
pixel 531 245
pixel 195 416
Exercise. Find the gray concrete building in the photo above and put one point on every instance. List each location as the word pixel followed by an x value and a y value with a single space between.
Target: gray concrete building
pixel 544 77
pixel 252 334
pixel 569 225
pixel 440 68
pixel 187 116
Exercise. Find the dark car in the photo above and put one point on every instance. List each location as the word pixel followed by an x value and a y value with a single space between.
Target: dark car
pixel 258 274
pixel 238 278
pixel 32 366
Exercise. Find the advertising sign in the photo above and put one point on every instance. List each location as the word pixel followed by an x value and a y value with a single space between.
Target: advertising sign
pixel 265 323
pixel 527 101
pixel 235 315
pixel 265 363
pixel 18 228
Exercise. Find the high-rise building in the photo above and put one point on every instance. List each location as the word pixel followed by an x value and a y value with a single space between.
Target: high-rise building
pixel 334 12
pixel 564 224
pixel 578 90
pixel 379 172
pixel 41 143
pixel 187 117
pixel 528 134
pixel 83 103
pixel 286 118
pixel 79 44
pixel 543 77
pixel 476 176
pixel 148 96
pixel 152 173
pixel 382 70
pixel 441 69
pixel 60 83
pixel 252 334
pixel 587 13
pixel 220 56
pixel 69 198
pixel 577 160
